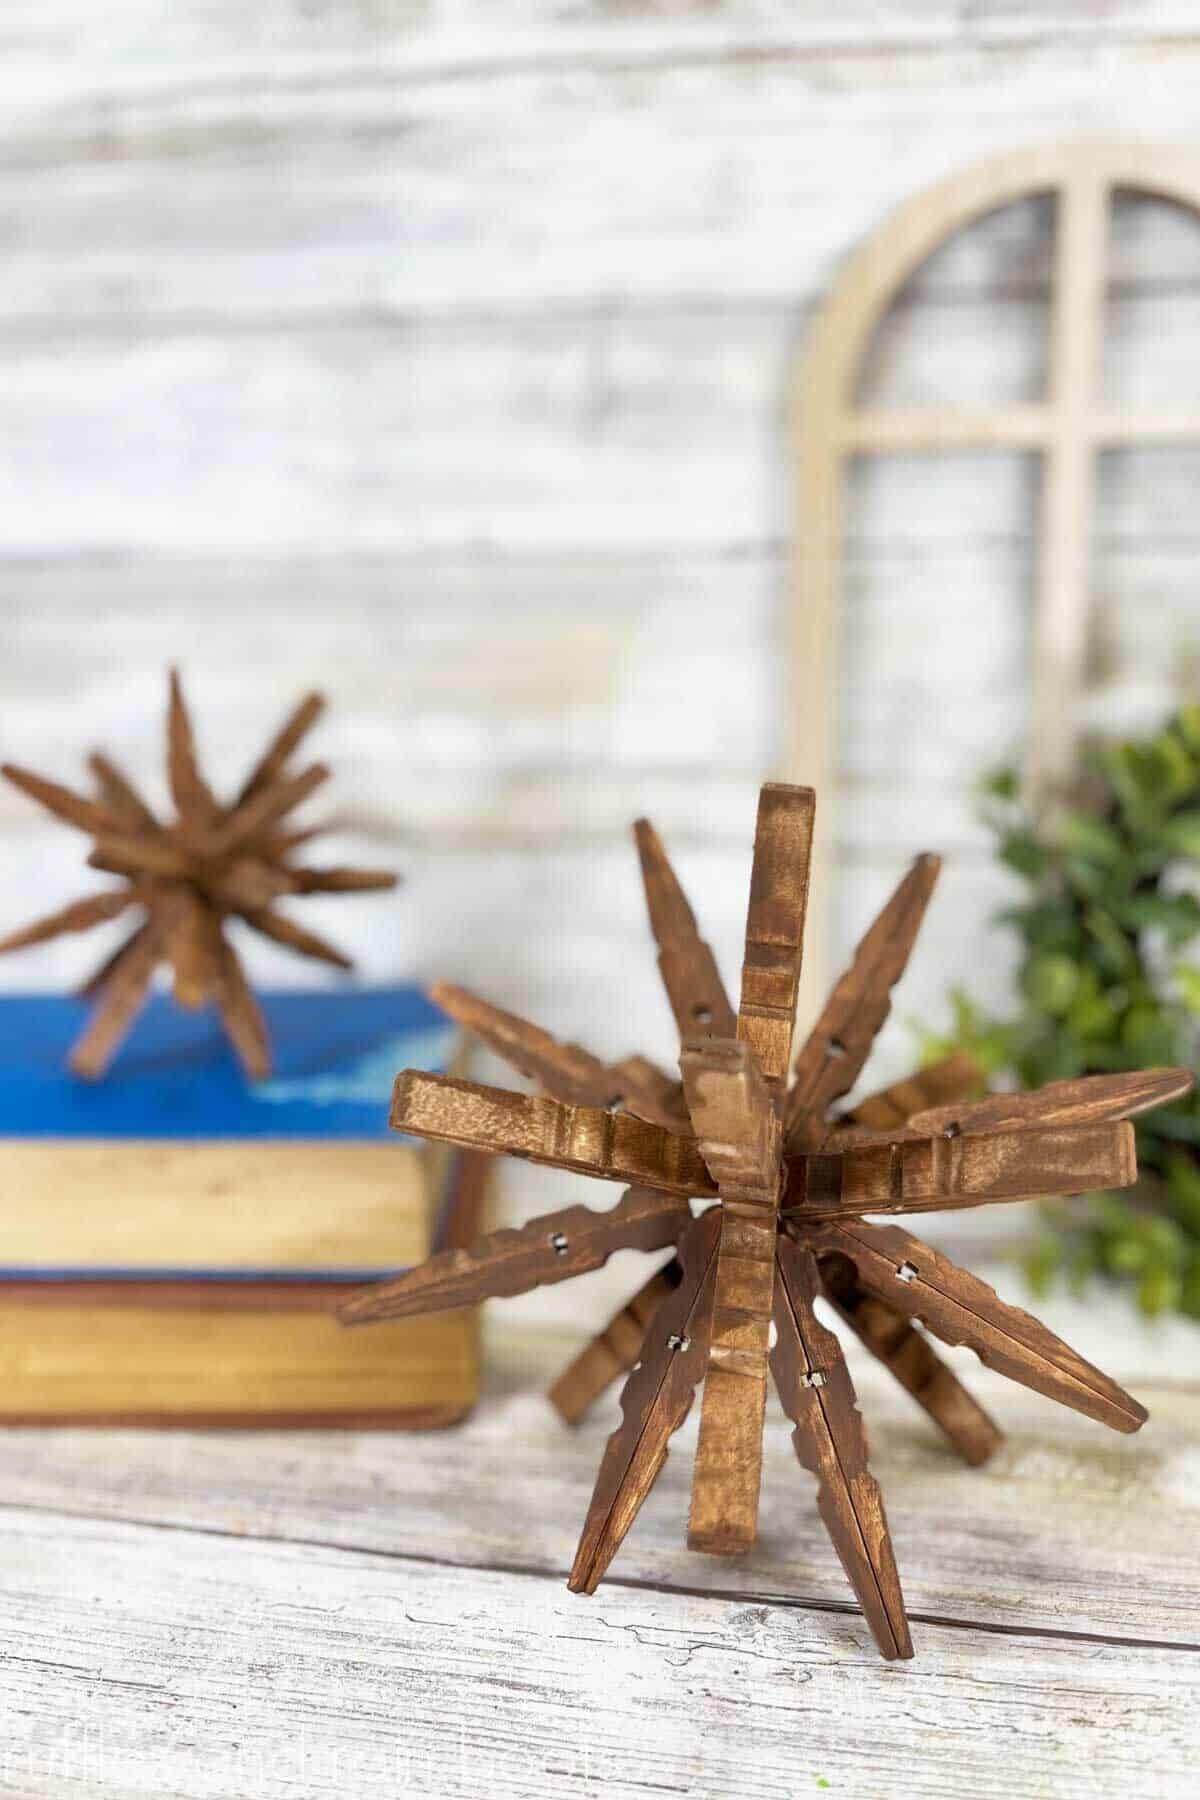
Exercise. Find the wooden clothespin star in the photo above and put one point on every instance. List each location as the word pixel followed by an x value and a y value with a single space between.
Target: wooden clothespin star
pixel 789 1182
pixel 214 862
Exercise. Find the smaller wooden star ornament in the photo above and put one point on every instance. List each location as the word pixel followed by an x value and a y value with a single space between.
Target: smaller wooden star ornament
pixel 213 862
pixel 791 1182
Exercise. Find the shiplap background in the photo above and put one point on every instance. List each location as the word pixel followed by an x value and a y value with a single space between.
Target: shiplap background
pixel 438 354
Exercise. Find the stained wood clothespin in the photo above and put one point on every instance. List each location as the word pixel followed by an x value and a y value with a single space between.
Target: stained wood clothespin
pixel 185 878
pixel 787 1181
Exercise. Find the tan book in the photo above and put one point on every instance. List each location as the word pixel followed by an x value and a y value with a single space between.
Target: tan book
pixel 186 1268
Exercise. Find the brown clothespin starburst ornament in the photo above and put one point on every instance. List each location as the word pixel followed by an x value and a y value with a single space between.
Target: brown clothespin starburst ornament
pixel 793 1182
pixel 215 861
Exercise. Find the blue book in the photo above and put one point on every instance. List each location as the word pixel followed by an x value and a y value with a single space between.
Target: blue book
pixel 336 1054
pixel 174 1167
pixel 174 1243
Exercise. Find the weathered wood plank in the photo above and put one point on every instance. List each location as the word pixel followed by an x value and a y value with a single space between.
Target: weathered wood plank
pixel 453 672
pixel 478 737
pixel 442 35
pixel 542 436
pixel 1069 1528
pixel 148 1661
pixel 292 137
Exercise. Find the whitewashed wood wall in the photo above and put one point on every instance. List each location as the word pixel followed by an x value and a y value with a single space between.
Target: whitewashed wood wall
pixel 438 353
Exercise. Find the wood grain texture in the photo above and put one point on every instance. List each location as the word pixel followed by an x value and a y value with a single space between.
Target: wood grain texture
pixel 211 862
pixel 273 762
pixel 929 1174
pixel 739 1135
pixel 1090 1099
pixel 774 949
pixel 613 1351
pixel 79 915
pixel 654 1403
pixel 129 949
pixel 734 1109
pixel 241 1015
pixel 194 800
pixel 914 1363
pixel 612 1146
pixel 1085 1100
pixel 126 987
pixel 229 1353
pixel 686 963
pixel 263 809
pixel 566 1071
pixel 339 881
pixel 955 1078
pixel 516 1258
pixel 733 1117
pixel 1068 1529
pixel 889 1336
pixel 193 941
pixel 282 930
pixel 265 1360
pixel 361 1648
pixel 961 1309
pixel 71 808
pixel 830 1441
pixel 289 1205
pixel 119 794
pixel 1062 604
pixel 833 1054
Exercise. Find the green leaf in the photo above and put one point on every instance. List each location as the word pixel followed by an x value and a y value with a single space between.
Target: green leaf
pixel 1187 980
pixel 1096 993
pixel 1177 916
pixel 1050 925
pixel 1091 879
pixel 1175 1123
pixel 988 1040
pixel 1113 1211
pixel 1159 1291
pixel 1091 838
pixel 1164 1241
pixel 1051 982
pixel 1133 781
pixel 1187 722
pixel 1181 834
pixel 1150 857
pixel 1116 950
pixel 1092 1017
pixel 1022 852
pixel 1001 784
pixel 1189 1290
pixel 1059 1058
pixel 1082 1263
pixel 1183 1189
pixel 1177 770
pixel 1041 1263
pixel 1147 1035
pixel 1125 1256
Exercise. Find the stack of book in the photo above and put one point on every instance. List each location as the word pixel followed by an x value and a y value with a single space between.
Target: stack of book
pixel 174 1243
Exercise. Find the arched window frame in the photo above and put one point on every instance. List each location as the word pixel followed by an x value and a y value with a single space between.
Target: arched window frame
pixel 1069 427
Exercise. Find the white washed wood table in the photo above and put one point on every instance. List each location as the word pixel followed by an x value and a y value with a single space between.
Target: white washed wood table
pixel 373 1614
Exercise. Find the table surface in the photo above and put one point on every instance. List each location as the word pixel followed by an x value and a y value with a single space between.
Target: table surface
pixel 220 1614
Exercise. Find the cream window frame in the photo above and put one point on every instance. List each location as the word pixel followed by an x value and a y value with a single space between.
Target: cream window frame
pixel 1068 428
